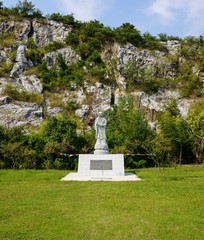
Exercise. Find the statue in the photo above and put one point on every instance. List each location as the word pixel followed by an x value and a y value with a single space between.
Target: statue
pixel 101 146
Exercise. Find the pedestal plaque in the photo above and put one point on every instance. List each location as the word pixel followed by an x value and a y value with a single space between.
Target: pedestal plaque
pixel 101 165
pixel 106 165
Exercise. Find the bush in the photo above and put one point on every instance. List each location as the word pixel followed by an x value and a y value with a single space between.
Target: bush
pixel 62 130
pixel 7 67
pixel 141 79
pixel 65 19
pixel 8 40
pixel 31 43
pixel 24 96
pixel 128 33
pixel 26 9
pixel 188 82
pixel 35 55
pixel 53 46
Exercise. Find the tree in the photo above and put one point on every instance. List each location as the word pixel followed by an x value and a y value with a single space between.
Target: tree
pixel 195 124
pixel 127 129
pixel 1 5
pixel 62 129
pixel 128 33
pixel 27 9
pixel 172 127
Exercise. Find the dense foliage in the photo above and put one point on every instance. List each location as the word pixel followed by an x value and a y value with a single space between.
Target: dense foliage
pixel 22 9
pixel 127 132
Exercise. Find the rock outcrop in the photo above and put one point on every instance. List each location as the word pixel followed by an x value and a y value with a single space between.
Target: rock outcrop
pixel 15 113
pixel 20 29
pixel 21 62
pixel 92 96
pixel 67 53
pixel 30 83
pixel 48 32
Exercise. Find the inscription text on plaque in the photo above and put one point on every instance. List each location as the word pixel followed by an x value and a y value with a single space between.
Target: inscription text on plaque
pixel 100 164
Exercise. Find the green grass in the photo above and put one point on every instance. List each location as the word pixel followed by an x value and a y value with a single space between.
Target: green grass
pixel 36 205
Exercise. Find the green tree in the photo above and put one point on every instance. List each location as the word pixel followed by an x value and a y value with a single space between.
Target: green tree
pixel 195 124
pixel 128 33
pixel 62 129
pixel 127 129
pixel 172 127
pixel 26 9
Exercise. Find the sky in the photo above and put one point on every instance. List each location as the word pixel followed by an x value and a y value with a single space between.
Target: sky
pixel 174 17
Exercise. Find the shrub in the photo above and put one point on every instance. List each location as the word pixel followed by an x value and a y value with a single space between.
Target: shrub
pixel 31 43
pixel 8 39
pixel 53 46
pixel 35 55
pixel 14 93
pixel 7 67
pixel 128 33
pixel 141 79
pixel 188 82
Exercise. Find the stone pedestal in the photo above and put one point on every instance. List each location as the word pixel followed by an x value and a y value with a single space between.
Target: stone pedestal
pixel 101 152
pixel 101 165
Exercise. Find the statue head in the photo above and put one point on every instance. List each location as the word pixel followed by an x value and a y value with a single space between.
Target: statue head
pixel 100 114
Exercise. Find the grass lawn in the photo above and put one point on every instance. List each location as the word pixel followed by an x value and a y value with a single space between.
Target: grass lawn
pixel 36 205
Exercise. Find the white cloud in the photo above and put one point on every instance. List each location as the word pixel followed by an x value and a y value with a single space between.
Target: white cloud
pixel 86 10
pixel 190 10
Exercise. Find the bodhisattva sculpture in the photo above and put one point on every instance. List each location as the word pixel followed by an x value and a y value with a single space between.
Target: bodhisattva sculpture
pixel 101 147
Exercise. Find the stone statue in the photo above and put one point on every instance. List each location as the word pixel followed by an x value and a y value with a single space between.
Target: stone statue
pixel 101 146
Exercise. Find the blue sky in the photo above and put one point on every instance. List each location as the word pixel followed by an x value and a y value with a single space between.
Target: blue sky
pixel 174 17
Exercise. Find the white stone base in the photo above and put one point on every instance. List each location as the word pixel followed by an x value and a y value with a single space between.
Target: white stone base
pixel 76 177
pixel 110 165
pixel 101 152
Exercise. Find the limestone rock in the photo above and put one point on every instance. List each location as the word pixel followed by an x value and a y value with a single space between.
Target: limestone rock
pixel 53 111
pixel 5 100
pixel 156 102
pixel 20 54
pixel 67 53
pixel 21 62
pixel 20 29
pixel 30 83
pixel 48 32
pixel 145 59
pixel 15 113
pixel 83 112
pixel 2 56
pixel 18 69
pixel 173 47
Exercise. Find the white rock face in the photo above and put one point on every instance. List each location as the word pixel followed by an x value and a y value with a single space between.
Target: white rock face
pixel 21 62
pixel 30 83
pixel 173 47
pixel 145 59
pixel 53 111
pixel 44 34
pixel 20 54
pixel 15 113
pixel 20 29
pixel 5 100
pixel 157 102
pixel 92 98
pixel 2 56
pixel 18 69
pixel 67 53
pixel 83 112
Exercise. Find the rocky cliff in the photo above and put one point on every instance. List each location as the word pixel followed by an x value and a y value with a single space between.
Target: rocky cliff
pixel 87 99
